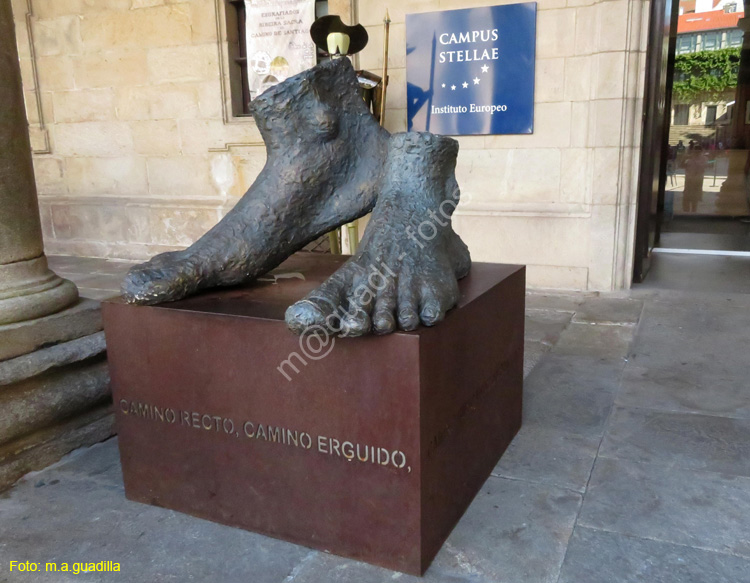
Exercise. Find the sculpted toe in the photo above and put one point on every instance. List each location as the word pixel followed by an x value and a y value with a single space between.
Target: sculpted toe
pixel 303 315
pixel 397 279
pixel 142 286
pixel 383 323
pixel 358 325
pixel 431 314
pixel 408 319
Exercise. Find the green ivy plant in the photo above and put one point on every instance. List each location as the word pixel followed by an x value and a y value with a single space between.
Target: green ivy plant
pixel 705 75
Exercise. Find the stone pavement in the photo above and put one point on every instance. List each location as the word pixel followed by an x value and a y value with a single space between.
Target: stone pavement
pixel 633 465
pixel 97 279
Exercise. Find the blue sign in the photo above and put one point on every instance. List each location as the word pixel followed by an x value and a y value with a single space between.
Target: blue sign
pixel 471 71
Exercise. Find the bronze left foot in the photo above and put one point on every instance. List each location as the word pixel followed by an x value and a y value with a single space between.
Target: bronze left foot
pixel 325 159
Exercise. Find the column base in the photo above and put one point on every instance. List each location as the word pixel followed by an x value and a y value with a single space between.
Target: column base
pixel 29 290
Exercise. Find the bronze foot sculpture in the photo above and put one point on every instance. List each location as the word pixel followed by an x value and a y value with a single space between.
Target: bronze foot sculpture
pixel 409 260
pixel 325 156
pixel 328 163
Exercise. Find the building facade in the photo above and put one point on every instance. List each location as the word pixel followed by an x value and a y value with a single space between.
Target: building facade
pixel 139 145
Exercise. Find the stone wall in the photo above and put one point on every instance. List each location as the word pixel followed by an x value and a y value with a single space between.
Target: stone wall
pixel 136 150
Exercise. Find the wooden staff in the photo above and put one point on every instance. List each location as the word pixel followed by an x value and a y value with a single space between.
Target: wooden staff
pixel 386 37
pixel 353 228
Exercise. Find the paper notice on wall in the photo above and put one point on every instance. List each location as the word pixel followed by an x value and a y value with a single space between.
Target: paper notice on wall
pixel 278 41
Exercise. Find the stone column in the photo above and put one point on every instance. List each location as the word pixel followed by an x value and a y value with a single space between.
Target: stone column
pixel 28 289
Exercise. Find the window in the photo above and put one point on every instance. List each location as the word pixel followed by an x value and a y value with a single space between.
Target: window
pixel 730 7
pixel 710 115
pixel 685 43
pixel 681 113
pixel 710 42
pixel 238 57
pixel 237 46
pixel 735 38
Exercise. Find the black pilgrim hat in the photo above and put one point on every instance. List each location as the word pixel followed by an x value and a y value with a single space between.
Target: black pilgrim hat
pixel 325 25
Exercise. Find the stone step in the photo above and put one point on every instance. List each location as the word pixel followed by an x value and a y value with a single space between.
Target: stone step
pixel 34 403
pixel 46 446
pixel 21 338
pixel 29 365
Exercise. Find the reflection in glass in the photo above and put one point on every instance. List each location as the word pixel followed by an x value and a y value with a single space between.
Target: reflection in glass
pixel 707 189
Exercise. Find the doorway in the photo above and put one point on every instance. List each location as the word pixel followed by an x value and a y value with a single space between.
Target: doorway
pixel 694 194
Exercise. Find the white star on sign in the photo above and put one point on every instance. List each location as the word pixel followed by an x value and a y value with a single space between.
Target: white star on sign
pixel 453 87
pixel 443 85
pixel 485 68
pixel 465 84
pixel 476 80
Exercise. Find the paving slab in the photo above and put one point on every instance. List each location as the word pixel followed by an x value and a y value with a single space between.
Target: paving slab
pixel 691 317
pixel 545 325
pixel 513 531
pixel 100 462
pixel 98 294
pixel 679 440
pixel 690 357
pixel 689 387
pixel 325 568
pixel 556 301
pixel 571 393
pixel 567 401
pixel 609 310
pixel 698 273
pixel 99 281
pixel 695 298
pixel 69 263
pixel 604 341
pixel 546 455
pixel 114 267
pixel 700 509
pixel 606 557
pixel 532 354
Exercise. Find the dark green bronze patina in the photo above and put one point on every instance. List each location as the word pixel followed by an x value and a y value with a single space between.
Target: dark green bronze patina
pixel 329 163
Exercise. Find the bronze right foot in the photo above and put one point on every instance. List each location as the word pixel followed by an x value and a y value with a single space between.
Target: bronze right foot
pixel 408 264
pixel 325 157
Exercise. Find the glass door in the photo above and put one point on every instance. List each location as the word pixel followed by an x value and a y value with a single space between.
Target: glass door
pixel 707 190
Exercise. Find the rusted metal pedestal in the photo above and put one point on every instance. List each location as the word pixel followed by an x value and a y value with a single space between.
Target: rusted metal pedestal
pixel 372 448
